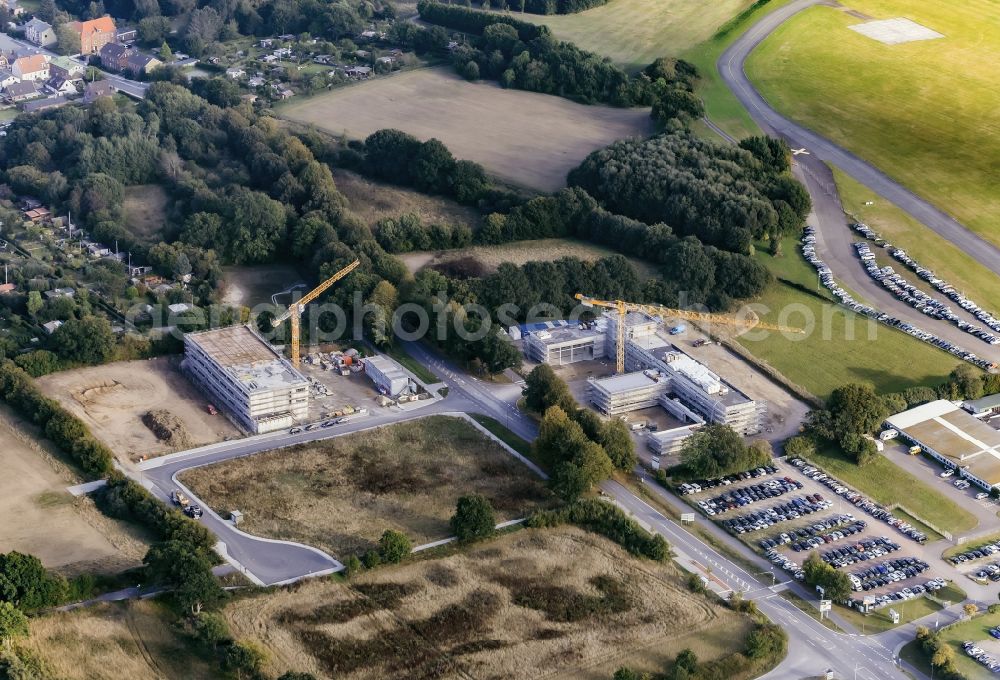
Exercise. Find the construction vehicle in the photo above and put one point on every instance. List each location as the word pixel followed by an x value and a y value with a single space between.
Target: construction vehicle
pixel 914 450
pixel 178 498
pixel 623 308
pixel 294 311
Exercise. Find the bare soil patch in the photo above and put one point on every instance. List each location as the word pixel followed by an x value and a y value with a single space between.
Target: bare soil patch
pixel 537 603
pixel 529 139
pixel 112 399
pixel 40 517
pixel 114 642
pixel 146 211
pixel 250 285
pixel 342 493
pixel 373 201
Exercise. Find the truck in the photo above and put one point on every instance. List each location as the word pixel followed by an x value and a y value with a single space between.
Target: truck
pixel 914 450
pixel 678 329
pixel 699 342
pixel 178 498
pixel 212 411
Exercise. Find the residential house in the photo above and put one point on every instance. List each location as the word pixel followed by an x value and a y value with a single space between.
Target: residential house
pixel 45 104
pixel 269 59
pixel 126 34
pixel 21 90
pixel 95 34
pixel 33 67
pixel 256 81
pixel 286 37
pixel 323 58
pixel 282 53
pixel 282 91
pixel 266 43
pixel 39 32
pixel 115 56
pixel 362 54
pixel 37 214
pixel 60 85
pixel 64 67
pixel 358 72
pixel 388 61
pixel 235 73
pixel 6 77
pixel 56 293
pixel 52 326
pixel 98 89
pixel 139 63
pixel 251 98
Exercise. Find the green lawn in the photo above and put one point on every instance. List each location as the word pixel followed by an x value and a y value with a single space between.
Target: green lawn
pixel 947 260
pixel 500 431
pixel 889 484
pixel 924 112
pixel 932 535
pixel 414 366
pixel 879 621
pixel 971 545
pixel 976 629
pixel 830 355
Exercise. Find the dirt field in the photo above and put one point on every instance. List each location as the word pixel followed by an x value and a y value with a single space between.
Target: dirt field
pixel 251 285
pixel 342 493
pixel 538 603
pixel 525 138
pixel 373 201
pixel 145 211
pixel 111 400
pixel 40 517
pixel 114 642
pixel 491 257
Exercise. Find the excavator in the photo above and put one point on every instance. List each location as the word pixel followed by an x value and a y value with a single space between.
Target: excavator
pixel 294 311
pixel 623 308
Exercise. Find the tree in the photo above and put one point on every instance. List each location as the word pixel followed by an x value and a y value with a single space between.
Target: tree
pixel 352 565
pixel 943 656
pixel 210 629
pixel 181 564
pixel 166 55
pixel 35 302
pixel 473 519
pixel 568 481
pixel 26 584
pixel 836 584
pixel 717 450
pixel 13 623
pixel 851 409
pixel 559 438
pixel 687 660
pixel 543 388
pixel 394 546
pixel 67 40
pixel 89 340
pixel 970 609
pixel 245 659
pixel 799 447
pixel 766 640
pixel 617 443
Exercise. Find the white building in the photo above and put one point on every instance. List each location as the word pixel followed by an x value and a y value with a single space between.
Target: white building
pixel 565 345
pixel 387 375
pixel 244 375
pixel 627 392
pixel 669 442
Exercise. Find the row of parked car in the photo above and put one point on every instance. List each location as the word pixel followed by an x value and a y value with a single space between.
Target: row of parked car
pixel 976 553
pixel 929 276
pixel 890 571
pixel 862 551
pixel 817 534
pixel 826 276
pixel 706 484
pixel 990 571
pixel 785 563
pixel 982 657
pixel 762 519
pixel 916 298
pixel 899 595
pixel 738 498
pixel 860 501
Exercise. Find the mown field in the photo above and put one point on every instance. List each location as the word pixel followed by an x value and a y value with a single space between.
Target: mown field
pixel 634 33
pixel 525 138
pixel 842 346
pixel 923 112
pixel 555 603
pixel 342 493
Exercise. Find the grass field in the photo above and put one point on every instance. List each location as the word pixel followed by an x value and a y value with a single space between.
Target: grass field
pixel 342 493
pixel 890 484
pixel 879 621
pixel 937 253
pixel 414 366
pixel 536 603
pixel 146 211
pixel 924 112
pixel 877 354
pixel 114 642
pixel 634 33
pixel 251 285
pixel 373 201
pixel 931 534
pixel 524 138
pixel 971 545
pixel 976 629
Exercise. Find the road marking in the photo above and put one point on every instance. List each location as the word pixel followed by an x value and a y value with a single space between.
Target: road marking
pixel 800 152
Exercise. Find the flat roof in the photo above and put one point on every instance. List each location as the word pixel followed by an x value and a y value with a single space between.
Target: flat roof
pixel 387 367
pixel 242 353
pixel 554 336
pixel 626 382
pixel 987 402
pixel 955 434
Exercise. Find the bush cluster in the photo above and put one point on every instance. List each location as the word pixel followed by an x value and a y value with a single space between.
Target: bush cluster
pixel 608 520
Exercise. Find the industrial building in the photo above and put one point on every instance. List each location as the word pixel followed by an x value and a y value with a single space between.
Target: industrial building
pixel 388 376
pixel 627 392
pixel 983 408
pixel 669 442
pixel 566 344
pixel 954 438
pixel 246 377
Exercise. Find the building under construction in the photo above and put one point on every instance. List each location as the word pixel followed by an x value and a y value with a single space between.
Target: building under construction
pixel 246 377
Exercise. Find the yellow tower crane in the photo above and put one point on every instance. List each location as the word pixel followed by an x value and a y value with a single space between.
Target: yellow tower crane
pixel 294 311
pixel 623 308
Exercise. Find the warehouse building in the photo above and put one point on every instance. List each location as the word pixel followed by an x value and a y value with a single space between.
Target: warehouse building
pixel 566 344
pixel 388 376
pixel 246 377
pixel 627 392
pixel 954 438
pixel 984 408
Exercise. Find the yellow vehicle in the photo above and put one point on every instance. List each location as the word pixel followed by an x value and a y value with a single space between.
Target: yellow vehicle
pixel 915 450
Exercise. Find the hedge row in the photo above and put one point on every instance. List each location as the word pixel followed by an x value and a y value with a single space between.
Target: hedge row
pixel 475 21
pixel 608 520
pixel 63 428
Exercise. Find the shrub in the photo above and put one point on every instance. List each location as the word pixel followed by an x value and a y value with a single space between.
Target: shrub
pixel 608 520
pixel 766 640
pixel 474 518
pixel 394 546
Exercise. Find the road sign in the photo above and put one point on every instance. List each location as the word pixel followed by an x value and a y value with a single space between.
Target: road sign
pixel 825 606
pixel 687 517
pixel 820 590
pixel 894 615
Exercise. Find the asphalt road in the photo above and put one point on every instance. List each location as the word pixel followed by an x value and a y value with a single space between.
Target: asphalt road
pixel 731 67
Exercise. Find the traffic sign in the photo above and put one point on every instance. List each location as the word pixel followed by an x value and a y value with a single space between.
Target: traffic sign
pixel 825 606
pixel 687 516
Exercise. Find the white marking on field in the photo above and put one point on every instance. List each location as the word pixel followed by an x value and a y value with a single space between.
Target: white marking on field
pixel 895 31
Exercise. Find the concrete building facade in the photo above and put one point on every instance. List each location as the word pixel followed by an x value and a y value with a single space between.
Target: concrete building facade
pixel 388 376
pixel 628 392
pixel 565 345
pixel 244 375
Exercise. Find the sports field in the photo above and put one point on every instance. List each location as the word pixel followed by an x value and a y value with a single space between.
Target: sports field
pixel 524 138
pixel 924 112
pixel 634 33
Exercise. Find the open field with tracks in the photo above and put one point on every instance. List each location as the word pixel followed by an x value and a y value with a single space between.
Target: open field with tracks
pixel 146 211
pixel 923 112
pixel 537 603
pixel 524 138
pixel 342 493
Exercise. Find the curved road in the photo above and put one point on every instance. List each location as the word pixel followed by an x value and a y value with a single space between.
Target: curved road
pixel 731 68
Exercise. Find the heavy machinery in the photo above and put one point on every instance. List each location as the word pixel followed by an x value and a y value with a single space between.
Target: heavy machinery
pixel 623 308
pixel 294 311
